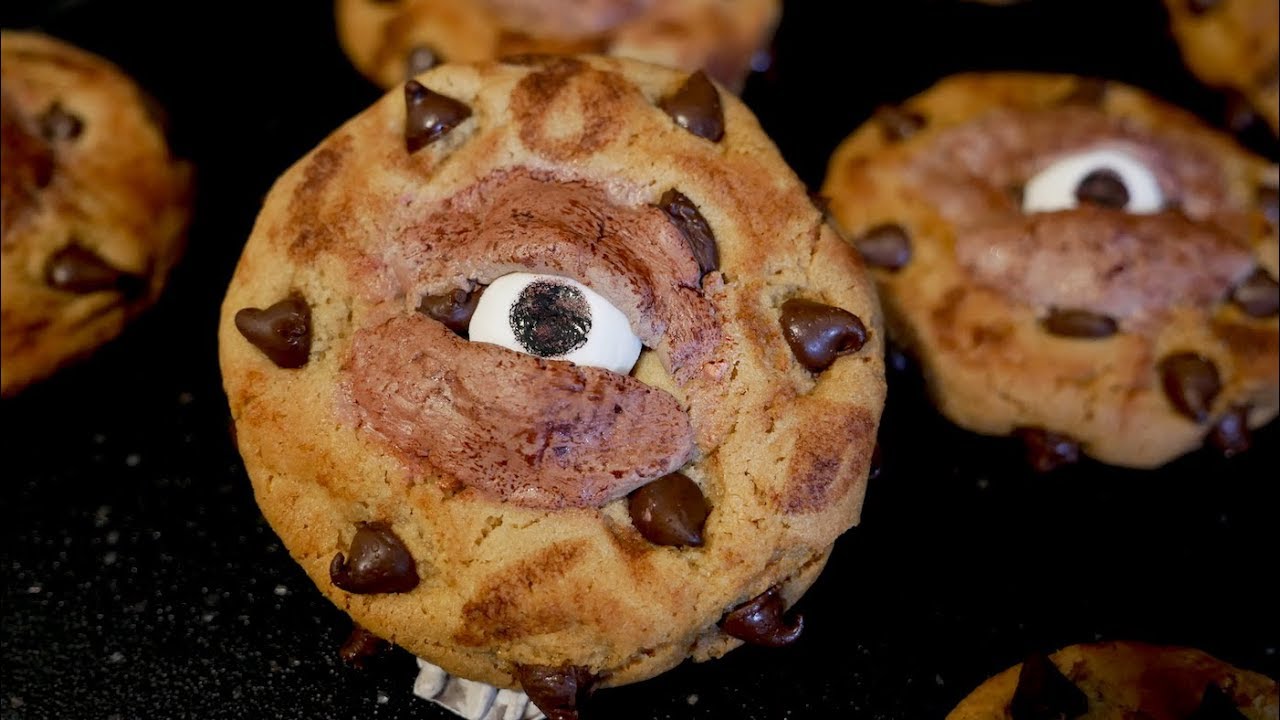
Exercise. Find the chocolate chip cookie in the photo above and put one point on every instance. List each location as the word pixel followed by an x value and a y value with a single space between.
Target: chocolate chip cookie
pixel 1071 261
pixel 392 40
pixel 94 206
pixel 1119 680
pixel 1234 45
pixel 428 351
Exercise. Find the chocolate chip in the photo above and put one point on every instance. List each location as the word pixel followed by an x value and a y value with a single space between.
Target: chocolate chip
pixel 885 246
pixel 1269 202
pixel 1078 324
pixel 696 107
pixel 380 563
pixel 818 334
pixel 558 692
pixel 550 319
pixel 1191 382
pixel 684 214
pixel 58 125
pixel 361 645
pixel 1048 451
pixel 1044 693
pixel 898 123
pixel 1230 435
pixel 429 115
pixel 760 621
pixel 1200 7
pixel 1104 188
pixel 282 332
pixel 1258 295
pixel 421 59
pixel 79 270
pixel 1215 705
pixel 454 309
pixel 669 511
pixel 1089 92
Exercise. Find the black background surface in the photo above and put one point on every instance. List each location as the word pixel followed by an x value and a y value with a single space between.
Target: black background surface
pixel 140 581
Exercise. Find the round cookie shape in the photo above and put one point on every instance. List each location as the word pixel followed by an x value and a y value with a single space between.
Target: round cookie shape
pixel 1071 261
pixel 392 40
pixel 95 208
pixel 566 522
pixel 1120 680
pixel 1235 45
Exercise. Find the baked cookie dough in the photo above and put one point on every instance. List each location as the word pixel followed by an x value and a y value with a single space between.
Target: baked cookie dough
pixel 392 40
pixel 1235 45
pixel 507 515
pixel 1071 261
pixel 1119 681
pixel 94 206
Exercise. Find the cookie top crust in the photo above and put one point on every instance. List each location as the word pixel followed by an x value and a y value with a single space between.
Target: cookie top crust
pixel 1070 256
pixel 363 414
pixel 1101 681
pixel 93 207
pixel 392 40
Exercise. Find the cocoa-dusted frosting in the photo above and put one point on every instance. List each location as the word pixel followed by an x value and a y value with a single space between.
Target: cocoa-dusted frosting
pixel 1105 261
pixel 537 432
pixel 566 18
pixel 27 163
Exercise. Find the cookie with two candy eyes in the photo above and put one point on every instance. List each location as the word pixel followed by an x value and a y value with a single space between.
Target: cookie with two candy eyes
pixel 1071 261
pixel 390 41
pixel 1122 680
pixel 551 373
pixel 95 207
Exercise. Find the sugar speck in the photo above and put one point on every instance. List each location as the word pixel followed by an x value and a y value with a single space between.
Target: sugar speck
pixel 281 590
pixel 692 699
pixel 132 459
pixel 383 698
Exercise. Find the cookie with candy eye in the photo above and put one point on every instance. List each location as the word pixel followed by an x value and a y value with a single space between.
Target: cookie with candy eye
pixel 392 40
pixel 1233 45
pixel 1122 680
pixel 94 206
pixel 551 373
pixel 1072 262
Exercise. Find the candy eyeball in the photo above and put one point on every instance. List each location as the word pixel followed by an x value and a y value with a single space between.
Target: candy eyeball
pixel 1106 178
pixel 557 318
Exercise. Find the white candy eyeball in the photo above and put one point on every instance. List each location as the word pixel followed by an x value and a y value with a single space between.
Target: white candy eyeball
pixel 555 317
pixel 1107 178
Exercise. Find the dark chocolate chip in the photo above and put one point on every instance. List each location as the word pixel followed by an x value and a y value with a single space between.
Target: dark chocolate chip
pixel 1089 92
pixel 429 115
pixel 1048 451
pixel 696 107
pixel 760 621
pixel 818 334
pixel 380 563
pixel 1104 188
pixel 550 319
pixel 1078 324
pixel 1200 7
pixel 1215 705
pixel 684 214
pixel 1231 433
pixel 1269 202
pixel 1191 382
pixel 79 270
pixel 361 645
pixel 454 309
pixel 58 125
pixel 421 59
pixel 1258 295
pixel 1044 693
pixel 558 692
pixel 899 123
pixel 885 246
pixel 282 332
pixel 669 511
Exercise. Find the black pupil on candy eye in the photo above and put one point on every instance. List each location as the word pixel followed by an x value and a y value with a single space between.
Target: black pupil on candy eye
pixel 549 319
pixel 1103 188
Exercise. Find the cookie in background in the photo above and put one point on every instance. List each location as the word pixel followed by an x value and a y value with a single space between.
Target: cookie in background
pixel 392 40
pixel 95 208
pixel 1072 262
